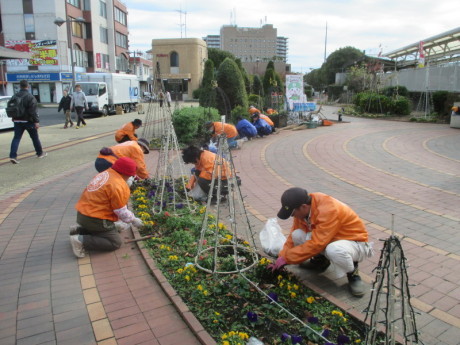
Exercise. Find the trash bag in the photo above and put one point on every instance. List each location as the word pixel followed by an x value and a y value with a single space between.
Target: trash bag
pixel 271 237
pixel 197 193
pixel 212 146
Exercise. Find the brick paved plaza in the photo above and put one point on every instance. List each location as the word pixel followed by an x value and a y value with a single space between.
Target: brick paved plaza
pixel 379 168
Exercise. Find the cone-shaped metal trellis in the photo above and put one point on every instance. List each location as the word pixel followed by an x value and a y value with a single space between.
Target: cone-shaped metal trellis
pixel 170 179
pixel 390 310
pixel 222 250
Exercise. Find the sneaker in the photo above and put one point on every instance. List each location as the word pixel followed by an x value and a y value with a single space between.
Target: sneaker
pixel 77 246
pixel 83 125
pixel 14 161
pixel 76 127
pixel 317 263
pixel 355 283
pixel 42 155
pixel 74 230
pixel 71 124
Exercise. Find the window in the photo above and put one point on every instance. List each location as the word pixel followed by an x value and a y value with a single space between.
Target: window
pixel 29 24
pixel 80 57
pixel 122 63
pixel 104 33
pixel 75 3
pixel 27 6
pixel 105 61
pixel 174 59
pixel 77 29
pixel 121 40
pixel 102 9
pixel 120 16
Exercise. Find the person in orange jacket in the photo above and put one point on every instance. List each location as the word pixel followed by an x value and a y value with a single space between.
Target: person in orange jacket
pixel 204 166
pixel 132 149
pixel 324 231
pixel 128 131
pixel 253 109
pixel 102 203
pixel 217 128
pixel 257 116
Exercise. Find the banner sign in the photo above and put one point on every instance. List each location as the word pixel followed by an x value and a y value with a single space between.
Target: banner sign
pixel 421 55
pixel 44 52
pixel 294 89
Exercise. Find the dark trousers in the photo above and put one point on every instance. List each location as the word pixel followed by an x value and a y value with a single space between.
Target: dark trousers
pixel 19 128
pixel 98 234
pixel 102 164
pixel 125 138
pixel 80 118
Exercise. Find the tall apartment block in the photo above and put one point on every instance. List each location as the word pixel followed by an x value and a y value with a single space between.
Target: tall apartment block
pixel 98 35
pixel 255 47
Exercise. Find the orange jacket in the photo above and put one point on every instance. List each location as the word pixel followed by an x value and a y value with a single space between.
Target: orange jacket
pixel 127 129
pixel 132 150
pixel 331 220
pixel 266 118
pixel 227 128
pixel 206 166
pixel 253 110
pixel 271 111
pixel 106 192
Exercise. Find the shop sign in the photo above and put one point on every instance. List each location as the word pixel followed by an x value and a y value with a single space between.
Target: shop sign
pixel 15 77
pixel 44 52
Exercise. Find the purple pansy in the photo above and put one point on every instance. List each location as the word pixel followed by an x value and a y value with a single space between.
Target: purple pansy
pixel 343 339
pixel 326 333
pixel 272 296
pixel 296 339
pixel 285 337
pixel 313 319
pixel 252 316
pixel 179 206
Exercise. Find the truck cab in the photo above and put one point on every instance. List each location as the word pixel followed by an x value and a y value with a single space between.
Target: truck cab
pixel 97 96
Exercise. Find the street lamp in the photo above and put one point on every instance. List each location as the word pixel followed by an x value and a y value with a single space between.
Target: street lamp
pixel 59 21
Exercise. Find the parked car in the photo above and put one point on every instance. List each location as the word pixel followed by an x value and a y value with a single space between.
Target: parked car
pixel 147 96
pixel 5 121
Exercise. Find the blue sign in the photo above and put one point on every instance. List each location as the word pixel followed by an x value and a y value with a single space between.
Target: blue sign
pixel 12 77
pixel 31 76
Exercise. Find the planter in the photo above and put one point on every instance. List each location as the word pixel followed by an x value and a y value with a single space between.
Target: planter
pixel 279 120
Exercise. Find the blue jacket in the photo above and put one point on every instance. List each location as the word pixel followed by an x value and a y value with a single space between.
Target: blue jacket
pixel 263 128
pixel 246 129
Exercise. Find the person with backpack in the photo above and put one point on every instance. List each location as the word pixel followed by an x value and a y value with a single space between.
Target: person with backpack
pixel 64 104
pixel 80 103
pixel 22 108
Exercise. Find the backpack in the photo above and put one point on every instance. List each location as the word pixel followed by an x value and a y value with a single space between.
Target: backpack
pixel 15 107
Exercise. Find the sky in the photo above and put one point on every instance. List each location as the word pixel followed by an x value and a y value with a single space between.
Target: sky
pixel 368 25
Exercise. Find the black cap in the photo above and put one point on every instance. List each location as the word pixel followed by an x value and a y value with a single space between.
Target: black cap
pixel 144 144
pixel 291 199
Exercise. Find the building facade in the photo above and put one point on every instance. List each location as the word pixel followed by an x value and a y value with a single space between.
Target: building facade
pixel 99 42
pixel 255 47
pixel 181 62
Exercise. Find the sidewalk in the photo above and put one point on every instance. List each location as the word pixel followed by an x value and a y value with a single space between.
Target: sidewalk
pixel 47 296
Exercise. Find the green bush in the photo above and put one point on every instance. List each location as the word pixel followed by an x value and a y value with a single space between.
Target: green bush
pixel 196 93
pixel 189 123
pixel 239 111
pixel 334 91
pixel 392 91
pixel 256 101
pixel 400 105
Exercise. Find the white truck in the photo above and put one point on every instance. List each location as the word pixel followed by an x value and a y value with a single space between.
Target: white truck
pixel 105 91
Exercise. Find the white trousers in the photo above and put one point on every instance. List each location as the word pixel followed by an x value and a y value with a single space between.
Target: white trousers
pixel 342 253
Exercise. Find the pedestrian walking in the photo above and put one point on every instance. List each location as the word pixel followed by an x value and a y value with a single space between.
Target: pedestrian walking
pixel 25 119
pixel 64 104
pixel 168 99
pixel 102 203
pixel 327 233
pixel 161 98
pixel 79 103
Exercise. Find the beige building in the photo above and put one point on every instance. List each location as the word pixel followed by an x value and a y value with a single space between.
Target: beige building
pixel 181 62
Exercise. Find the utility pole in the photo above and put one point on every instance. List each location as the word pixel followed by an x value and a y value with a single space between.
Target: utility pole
pixel 325 44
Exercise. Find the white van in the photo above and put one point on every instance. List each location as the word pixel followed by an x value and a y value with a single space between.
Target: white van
pixel 5 121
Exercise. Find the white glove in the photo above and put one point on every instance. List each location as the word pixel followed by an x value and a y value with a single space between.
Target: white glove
pixel 121 226
pixel 138 223
pixel 130 181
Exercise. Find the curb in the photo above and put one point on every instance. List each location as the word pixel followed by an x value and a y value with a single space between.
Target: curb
pixel 190 319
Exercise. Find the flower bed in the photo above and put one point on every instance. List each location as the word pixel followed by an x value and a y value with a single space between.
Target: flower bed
pixel 230 306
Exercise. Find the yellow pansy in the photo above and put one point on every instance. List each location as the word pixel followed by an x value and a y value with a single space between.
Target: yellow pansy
pixel 310 299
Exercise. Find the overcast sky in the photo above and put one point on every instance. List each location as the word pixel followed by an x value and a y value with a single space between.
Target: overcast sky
pixel 363 24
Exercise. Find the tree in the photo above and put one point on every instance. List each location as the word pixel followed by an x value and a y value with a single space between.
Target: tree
pixel 358 79
pixel 218 56
pixel 339 61
pixel 270 65
pixel 231 83
pixel 257 88
pixel 247 82
pixel 269 80
pixel 316 79
pixel 207 94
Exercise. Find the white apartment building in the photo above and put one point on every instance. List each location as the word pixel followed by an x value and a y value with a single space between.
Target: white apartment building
pixel 98 37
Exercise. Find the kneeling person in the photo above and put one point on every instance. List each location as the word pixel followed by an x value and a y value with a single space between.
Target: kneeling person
pixel 101 204
pixel 324 231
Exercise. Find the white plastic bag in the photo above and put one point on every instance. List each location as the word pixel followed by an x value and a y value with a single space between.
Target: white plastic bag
pixel 271 237
pixel 197 193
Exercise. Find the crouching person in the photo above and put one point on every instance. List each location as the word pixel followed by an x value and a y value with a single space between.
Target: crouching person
pixel 102 203
pixel 325 234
